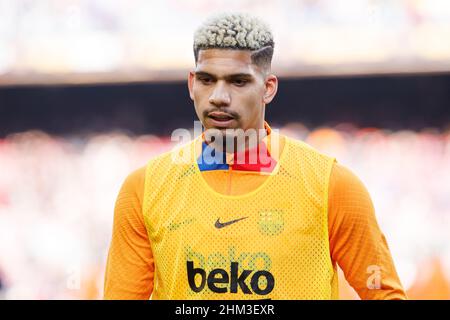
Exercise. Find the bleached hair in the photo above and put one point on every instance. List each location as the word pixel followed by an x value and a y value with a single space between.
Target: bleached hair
pixel 236 31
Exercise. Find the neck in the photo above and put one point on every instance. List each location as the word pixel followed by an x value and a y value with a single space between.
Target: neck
pixel 238 141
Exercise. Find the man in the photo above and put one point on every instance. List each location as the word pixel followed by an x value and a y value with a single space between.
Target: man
pixel 220 225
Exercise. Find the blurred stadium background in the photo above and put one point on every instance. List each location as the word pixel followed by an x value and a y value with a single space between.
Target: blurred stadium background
pixel 91 89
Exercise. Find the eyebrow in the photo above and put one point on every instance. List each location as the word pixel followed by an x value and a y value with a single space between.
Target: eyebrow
pixel 233 76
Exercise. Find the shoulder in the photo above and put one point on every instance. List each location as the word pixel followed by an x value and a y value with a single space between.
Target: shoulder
pixel 344 181
pixel 305 158
pixel 133 185
pixel 135 178
pixel 305 149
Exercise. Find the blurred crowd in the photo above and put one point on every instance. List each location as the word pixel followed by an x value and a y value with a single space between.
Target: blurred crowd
pixel 57 198
pixel 129 37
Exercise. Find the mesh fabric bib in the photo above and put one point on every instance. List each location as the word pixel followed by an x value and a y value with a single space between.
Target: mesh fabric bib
pixel 270 243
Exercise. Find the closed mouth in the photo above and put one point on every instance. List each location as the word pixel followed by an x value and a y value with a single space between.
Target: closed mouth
pixel 220 116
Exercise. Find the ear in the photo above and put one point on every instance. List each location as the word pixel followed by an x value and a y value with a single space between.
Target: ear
pixel 191 78
pixel 271 87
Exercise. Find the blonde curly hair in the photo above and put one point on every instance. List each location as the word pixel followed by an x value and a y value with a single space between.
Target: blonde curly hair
pixel 236 31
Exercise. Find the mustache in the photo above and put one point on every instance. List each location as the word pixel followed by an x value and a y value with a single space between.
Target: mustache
pixel 231 113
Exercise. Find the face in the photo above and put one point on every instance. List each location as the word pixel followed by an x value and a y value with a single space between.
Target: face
pixel 229 91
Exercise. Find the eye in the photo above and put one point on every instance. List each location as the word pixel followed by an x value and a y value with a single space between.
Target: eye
pixel 205 80
pixel 240 82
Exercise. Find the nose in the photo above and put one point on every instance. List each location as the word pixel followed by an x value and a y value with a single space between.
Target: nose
pixel 220 96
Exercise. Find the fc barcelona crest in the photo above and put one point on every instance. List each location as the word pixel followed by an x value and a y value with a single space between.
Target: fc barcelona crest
pixel 271 222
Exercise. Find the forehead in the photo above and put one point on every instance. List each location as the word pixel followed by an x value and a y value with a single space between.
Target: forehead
pixel 224 61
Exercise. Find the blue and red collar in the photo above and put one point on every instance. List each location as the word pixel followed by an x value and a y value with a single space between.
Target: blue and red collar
pixel 257 159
